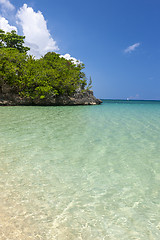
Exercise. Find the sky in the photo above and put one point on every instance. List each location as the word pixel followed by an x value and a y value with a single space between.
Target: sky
pixel 117 40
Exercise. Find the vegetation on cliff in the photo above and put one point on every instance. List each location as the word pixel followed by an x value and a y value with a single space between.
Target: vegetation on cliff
pixel 37 78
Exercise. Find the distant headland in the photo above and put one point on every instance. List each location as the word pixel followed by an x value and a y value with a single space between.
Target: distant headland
pixel 50 80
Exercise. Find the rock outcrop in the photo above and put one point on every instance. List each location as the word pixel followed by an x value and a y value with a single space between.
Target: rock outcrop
pixel 9 97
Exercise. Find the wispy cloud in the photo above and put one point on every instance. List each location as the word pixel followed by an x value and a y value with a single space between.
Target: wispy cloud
pixel 6 4
pixel 131 48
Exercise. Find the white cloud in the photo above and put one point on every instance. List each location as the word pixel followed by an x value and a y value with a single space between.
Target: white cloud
pixel 68 57
pixel 35 30
pixel 131 48
pixel 6 4
pixel 4 25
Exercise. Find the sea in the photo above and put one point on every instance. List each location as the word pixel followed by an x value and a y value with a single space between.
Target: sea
pixel 80 172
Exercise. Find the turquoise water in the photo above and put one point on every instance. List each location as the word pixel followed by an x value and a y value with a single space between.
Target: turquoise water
pixel 81 172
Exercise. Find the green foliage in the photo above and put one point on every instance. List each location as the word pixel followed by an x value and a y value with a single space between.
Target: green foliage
pixel 12 40
pixel 37 78
pixel 1 38
pixel 50 75
pixel 12 65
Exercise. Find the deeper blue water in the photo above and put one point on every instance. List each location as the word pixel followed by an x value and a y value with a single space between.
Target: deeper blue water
pixel 81 172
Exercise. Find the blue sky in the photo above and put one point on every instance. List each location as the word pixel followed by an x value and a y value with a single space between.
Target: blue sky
pixel 118 41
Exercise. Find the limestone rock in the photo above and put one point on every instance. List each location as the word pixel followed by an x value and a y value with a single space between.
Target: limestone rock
pixel 9 97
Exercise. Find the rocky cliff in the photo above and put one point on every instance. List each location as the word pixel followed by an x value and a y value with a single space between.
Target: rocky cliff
pixel 9 97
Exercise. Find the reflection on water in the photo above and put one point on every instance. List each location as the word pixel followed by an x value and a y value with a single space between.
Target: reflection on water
pixel 89 172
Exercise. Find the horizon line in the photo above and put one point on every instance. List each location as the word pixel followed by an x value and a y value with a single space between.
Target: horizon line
pixel 125 99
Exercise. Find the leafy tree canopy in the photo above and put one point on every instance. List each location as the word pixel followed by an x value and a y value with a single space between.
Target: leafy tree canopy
pixel 37 78
pixel 12 40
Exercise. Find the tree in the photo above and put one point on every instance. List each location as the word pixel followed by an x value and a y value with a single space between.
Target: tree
pixel 2 34
pixel 12 40
pixel 65 76
pixel 90 83
pixel 12 66
pixel 37 78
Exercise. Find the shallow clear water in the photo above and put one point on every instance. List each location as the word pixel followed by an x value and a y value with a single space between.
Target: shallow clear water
pixel 81 172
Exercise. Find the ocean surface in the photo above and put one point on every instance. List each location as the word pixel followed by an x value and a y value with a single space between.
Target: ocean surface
pixel 80 172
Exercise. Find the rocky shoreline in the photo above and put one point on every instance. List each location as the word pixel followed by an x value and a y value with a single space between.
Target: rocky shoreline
pixel 10 98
